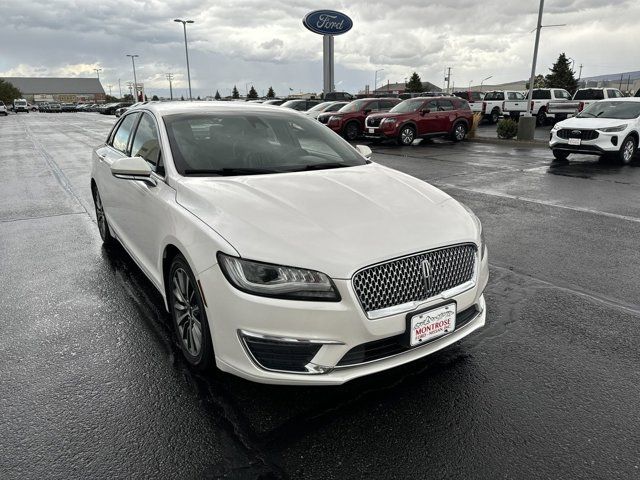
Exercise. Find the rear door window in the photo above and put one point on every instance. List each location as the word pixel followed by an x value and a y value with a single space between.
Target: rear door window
pixel 445 105
pixel 541 95
pixel 121 137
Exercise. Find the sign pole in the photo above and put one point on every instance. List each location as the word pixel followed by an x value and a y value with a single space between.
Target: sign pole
pixel 327 63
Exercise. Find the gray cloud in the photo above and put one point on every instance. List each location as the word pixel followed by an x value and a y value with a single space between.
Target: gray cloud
pixel 248 41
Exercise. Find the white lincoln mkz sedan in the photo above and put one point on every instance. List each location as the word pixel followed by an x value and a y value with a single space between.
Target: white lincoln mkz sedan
pixel 282 252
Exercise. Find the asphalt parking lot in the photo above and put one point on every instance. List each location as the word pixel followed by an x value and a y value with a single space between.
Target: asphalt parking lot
pixel 92 386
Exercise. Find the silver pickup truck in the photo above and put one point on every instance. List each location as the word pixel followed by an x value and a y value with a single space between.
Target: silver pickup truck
pixel 582 98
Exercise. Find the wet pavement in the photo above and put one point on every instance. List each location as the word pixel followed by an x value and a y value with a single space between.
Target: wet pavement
pixel 92 386
pixel 487 130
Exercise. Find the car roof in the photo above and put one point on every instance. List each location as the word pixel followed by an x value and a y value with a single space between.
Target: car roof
pixel 177 107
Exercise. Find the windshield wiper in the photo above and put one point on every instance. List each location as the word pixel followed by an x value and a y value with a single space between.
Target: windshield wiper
pixel 226 172
pixel 323 166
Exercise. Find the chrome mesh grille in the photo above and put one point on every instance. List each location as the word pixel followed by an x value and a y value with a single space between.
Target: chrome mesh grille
pixel 402 281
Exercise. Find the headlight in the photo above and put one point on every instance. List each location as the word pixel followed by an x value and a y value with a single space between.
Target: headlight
pixel 334 119
pixel 478 223
pixel 388 120
pixel 619 128
pixel 556 127
pixel 277 280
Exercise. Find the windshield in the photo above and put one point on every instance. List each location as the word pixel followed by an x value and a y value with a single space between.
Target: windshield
pixel 244 144
pixel 621 110
pixel 291 103
pixel 354 106
pixel 411 105
pixel 320 107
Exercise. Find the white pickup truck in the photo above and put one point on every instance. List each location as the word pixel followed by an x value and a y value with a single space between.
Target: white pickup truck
pixel 494 103
pixel 541 98
pixel 582 98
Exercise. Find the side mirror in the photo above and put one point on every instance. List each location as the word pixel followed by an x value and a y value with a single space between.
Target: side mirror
pixel 364 151
pixel 424 111
pixel 133 168
pixel 367 111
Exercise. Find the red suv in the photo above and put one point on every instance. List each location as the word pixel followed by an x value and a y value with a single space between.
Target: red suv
pixel 349 120
pixel 422 117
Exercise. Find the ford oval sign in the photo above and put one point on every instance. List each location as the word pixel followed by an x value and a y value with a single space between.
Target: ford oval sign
pixel 327 22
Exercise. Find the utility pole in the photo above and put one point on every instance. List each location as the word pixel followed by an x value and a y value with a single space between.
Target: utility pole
pixel 620 87
pixel 375 79
pixel 120 88
pixel 170 78
pixel 580 74
pixel 448 78
pixel 97 70
pixel 109 87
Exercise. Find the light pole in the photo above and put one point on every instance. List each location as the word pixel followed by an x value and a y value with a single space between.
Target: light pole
pixel 170 78
pixel 186 50
pixel 375 79
pixel 120 88
pixel 135 80
pixel 483 80
pixel 109 87
pixel 97 70
pixel 130 85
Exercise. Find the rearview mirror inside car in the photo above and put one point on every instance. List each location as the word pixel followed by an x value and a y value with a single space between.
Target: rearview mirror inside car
pixel 132 168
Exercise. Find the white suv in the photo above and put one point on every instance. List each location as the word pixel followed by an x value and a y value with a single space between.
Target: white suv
pixel 3 109
pixel 604 127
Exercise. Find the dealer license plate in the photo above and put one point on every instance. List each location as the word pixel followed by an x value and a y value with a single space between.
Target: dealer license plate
pixel 371 130
pixel 432 324
pixel 575 141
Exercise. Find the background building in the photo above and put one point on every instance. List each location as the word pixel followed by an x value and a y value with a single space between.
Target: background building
pixel 399 88
pixel 63 90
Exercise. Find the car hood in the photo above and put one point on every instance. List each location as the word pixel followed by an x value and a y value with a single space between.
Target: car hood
pixel 335 221
pixel 593 123
pixel 389 115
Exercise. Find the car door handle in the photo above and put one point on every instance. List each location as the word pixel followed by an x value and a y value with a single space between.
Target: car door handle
pixel 101 157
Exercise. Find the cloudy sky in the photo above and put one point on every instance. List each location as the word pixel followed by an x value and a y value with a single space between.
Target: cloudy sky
pixel 263 43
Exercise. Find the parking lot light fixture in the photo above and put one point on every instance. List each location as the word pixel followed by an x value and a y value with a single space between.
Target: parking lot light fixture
pixel 97 70
pixel 135 80
pixel 186 51
pixel 485 79
pixel 375 79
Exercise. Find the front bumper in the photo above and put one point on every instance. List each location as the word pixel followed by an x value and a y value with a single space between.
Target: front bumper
pixel 321 333
pixel 605 143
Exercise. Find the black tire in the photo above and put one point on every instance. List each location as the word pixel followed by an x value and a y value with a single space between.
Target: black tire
pixel 103 224
pixel 560 155
pixel 406 135
pixel 351 131
pixel 627 150
pixel 494 116
pixel 189 316
pixel 459 132
pixel 541 118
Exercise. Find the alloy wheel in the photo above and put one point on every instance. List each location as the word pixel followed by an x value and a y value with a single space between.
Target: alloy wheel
pixel 102 221
pixel 352 131
pixel 407 136
pixel 460 132
pixel 628 150
pixel 187 312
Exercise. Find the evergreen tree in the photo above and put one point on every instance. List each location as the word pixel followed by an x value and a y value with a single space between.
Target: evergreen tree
pixel 146 99
pixel 198 98
pixel 538 82
pixel 414 84
pixel 155 98
pixel 8 93
pixel 271 93
pixel 182 98
pixel 235 93
pixel 217 97
pixel 252 93
pixel 561 75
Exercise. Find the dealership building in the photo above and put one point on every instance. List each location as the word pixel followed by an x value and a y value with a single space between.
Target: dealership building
pixel 62 90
